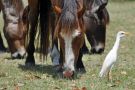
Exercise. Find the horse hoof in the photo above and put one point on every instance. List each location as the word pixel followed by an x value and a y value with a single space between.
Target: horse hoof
pixel 30 61
pixel 29 64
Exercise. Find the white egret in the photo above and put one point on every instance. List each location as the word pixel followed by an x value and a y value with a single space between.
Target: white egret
pixel 111 57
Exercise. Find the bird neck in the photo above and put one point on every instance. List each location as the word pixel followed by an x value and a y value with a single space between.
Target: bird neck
pixel 116 45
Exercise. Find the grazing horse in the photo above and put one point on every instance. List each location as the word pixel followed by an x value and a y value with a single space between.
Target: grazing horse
pixel 70 32
pixel 96 18
pixel 14 27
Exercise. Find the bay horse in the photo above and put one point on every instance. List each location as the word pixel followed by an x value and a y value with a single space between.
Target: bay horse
pixel 96 19
pixel 70 32
pixel 14 28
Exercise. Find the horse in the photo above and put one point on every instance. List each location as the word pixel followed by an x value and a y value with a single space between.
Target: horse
pixel 70 32
pixel 14 26
pixel 95 23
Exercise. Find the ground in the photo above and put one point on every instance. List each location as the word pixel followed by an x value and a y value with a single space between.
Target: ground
pixel 15 76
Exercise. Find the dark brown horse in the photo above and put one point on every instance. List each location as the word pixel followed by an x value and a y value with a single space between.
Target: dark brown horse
pixel 96 18
pixel 14 27
pixel 70 32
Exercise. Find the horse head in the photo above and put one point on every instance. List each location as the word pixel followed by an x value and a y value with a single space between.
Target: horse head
pixel 70 31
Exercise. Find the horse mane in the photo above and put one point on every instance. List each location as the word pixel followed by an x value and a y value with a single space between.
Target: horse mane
pixel 102 14
pixel 18 5
pixel 106 16
pixel 69 14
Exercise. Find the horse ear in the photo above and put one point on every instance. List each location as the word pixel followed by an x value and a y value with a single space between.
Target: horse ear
pixel 57 9
pixel 81 11
pixel 97 5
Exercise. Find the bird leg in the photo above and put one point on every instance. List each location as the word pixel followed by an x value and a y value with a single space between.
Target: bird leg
pixel 109 76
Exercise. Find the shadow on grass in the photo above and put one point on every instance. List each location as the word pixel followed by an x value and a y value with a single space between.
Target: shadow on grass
pixel 49 70
pixel 38 68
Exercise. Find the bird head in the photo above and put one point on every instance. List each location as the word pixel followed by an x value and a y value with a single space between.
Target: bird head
pixel 122 34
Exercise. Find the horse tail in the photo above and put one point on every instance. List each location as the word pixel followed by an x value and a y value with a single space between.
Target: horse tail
pixel 106 16
pixel 45 7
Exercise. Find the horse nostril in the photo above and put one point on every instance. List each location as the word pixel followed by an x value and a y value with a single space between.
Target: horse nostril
pixel 17 55
pixel 101 50
pixel 14 55
pixel 21 56
pixel 94 51
pixel 68 74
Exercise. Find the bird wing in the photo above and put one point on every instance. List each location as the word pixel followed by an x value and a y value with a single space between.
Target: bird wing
pixel 107 64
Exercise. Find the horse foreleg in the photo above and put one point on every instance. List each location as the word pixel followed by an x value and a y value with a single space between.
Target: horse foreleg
pixel 33 18
pixel 79 65
pixel 85 49
pixel 55 54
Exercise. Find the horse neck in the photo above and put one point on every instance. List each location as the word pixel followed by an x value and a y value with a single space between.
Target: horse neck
pixel 16 6
pixel 12 10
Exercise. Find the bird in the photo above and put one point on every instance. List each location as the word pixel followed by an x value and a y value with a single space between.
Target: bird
pixel 111 57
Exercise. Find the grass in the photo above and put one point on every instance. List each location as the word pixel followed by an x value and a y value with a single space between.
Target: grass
pixel 15 76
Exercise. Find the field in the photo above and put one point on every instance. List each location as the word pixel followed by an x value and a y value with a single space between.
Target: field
pixel 15 76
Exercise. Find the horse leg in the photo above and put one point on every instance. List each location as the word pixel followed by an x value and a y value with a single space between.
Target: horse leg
pixel 79 64
pixel 2 47
pixel 55 54
pixel 33 18
pixel 85 49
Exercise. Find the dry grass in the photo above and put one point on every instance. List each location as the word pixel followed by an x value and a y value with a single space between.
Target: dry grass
pixel 15 76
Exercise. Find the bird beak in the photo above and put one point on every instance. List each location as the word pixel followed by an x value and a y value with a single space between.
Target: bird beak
pixel 127 33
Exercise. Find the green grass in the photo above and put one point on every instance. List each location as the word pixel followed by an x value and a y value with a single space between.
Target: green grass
pixel 13 74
